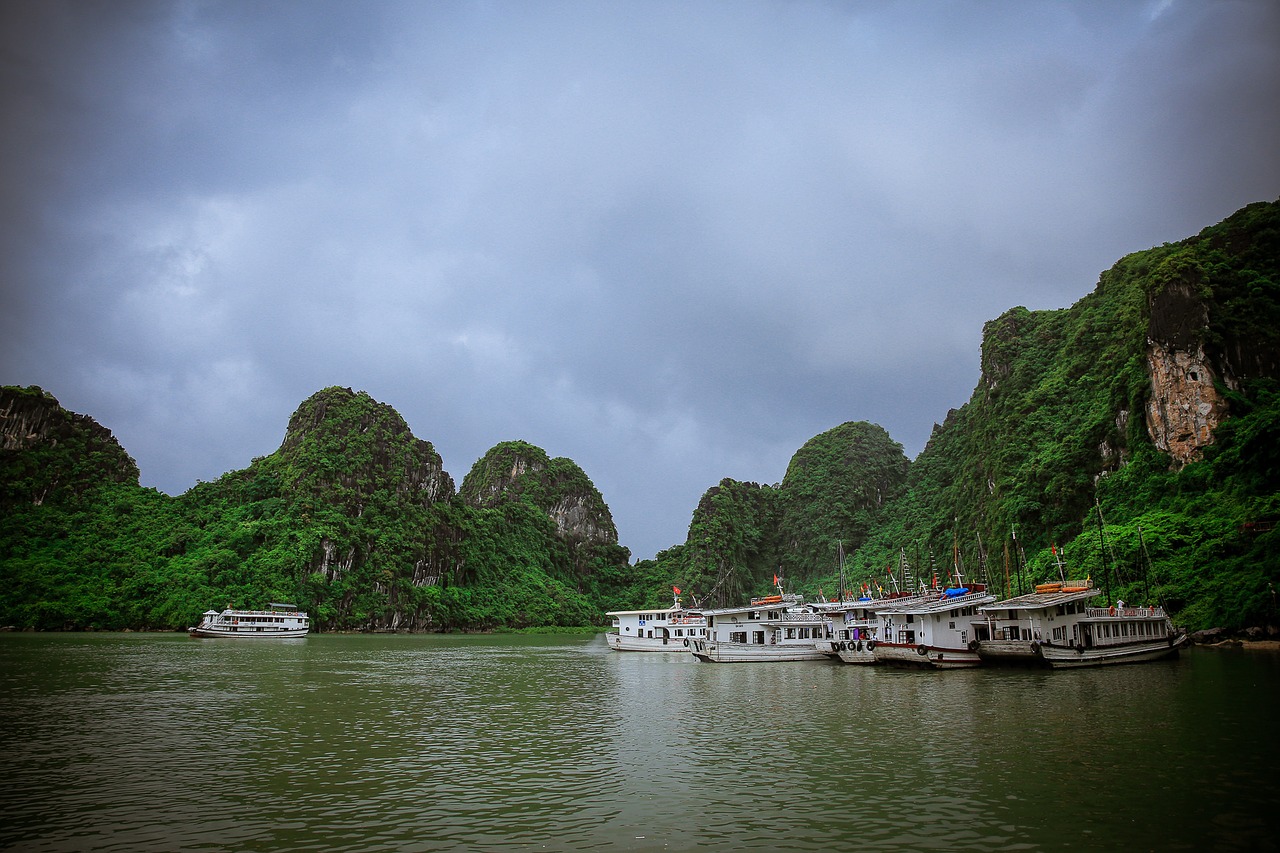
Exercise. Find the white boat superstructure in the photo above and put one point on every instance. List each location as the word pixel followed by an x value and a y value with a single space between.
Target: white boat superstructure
pixel 1115 634
pixel 278 621
pixel 773 628
pixel 931 630
pixel 854 625
pixel 1011 631
pixel 656 630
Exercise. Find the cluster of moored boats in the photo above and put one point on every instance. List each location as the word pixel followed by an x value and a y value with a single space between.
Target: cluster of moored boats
pixel 949 628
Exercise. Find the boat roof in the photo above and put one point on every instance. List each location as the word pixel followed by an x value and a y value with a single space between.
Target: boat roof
pixel 931 603
pixel 682 610
pixel 1038 600
pixel 788 602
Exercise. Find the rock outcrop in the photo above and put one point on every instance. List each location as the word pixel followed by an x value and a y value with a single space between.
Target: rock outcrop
pixel 47 452
pixel 519 470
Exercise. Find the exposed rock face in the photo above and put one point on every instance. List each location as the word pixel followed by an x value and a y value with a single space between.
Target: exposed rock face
pixel 46 450
pixel 519 470
pixel 374 438
pixel 1184 408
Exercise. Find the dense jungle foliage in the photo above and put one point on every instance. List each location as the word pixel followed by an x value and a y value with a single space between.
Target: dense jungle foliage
pixel 1054 457
pixel 352 516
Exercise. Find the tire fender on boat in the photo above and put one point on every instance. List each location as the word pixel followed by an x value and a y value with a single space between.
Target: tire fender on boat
pixel 1079 648
pixel 871 645
pixel 859 645
pixel 922 650
pixel 973 645
pixel 686 644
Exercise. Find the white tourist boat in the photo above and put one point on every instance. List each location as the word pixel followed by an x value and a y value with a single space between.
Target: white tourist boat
pixel 278 621
pixel 931 630
pixel 773 628
pixel 1115 634
pixel 1012 630
pixel 655 629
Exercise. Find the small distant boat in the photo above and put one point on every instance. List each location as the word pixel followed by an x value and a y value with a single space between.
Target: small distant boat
pixel 772 628
pixel 278 621
pixel 655 629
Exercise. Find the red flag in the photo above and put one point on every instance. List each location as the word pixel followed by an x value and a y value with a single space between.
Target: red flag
pixel 676 589
pixel 775 580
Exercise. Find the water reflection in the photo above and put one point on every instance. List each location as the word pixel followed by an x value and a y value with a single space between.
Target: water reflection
pixel 130 742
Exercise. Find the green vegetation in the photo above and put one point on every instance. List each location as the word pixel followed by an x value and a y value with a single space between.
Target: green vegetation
pixel 352 516
pixel 1067 441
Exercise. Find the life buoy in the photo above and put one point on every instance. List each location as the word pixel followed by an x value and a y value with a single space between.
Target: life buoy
pixel 973 645
pixel 871 645
pixel 922 650
pixel 686 644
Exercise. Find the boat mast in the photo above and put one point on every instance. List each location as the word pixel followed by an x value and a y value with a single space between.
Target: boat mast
pixel 1146 564
pixel 1102 553
pixel 840 561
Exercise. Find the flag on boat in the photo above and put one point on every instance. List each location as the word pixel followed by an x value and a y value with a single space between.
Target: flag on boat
pixel 676 590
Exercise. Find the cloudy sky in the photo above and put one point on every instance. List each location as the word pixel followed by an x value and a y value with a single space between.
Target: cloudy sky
pixel 669 240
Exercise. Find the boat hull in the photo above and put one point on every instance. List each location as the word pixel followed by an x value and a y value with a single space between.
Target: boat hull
pixel 619 643
pixel 926 656
pixel 1068 657
pixel 721 652
pixel 856 652
pixel 1010 652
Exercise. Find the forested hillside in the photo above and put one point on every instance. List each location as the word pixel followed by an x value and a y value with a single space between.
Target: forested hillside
pixel 1135 435
pixel 1137 432
pixel 352 516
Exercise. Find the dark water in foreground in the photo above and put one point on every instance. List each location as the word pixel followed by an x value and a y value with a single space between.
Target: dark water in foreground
pixel 365 743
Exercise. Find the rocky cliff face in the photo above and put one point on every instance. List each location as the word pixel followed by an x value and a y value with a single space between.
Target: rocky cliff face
pixel 47 452
pixel 374 443
pixel 1213 318
pixel 519 470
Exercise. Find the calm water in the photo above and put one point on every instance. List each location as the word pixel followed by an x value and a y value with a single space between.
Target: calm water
pixel 364 743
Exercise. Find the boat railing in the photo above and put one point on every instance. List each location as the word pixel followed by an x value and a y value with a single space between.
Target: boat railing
pixel 1119 612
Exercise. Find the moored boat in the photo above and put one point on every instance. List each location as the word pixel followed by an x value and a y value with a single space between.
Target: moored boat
pixel 278 621
pixel 771 628
pixel 932 630
pixel 1012 630
pixel 656 629
pixel 1116 634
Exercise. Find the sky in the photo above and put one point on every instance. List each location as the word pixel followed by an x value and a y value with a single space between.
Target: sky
pixel 672 241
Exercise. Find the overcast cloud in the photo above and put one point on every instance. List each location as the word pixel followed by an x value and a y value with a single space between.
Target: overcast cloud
pixel 669 240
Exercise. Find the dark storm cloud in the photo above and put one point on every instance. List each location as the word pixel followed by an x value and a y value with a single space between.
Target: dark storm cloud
pixel 671 241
